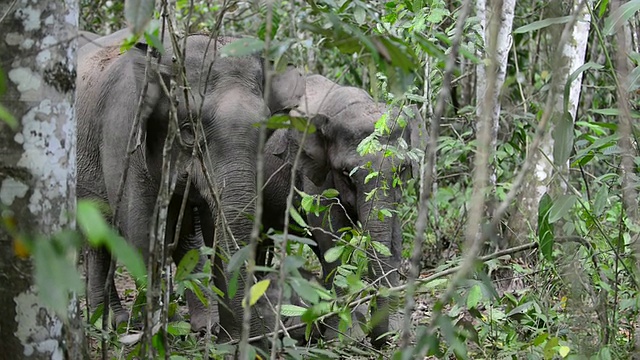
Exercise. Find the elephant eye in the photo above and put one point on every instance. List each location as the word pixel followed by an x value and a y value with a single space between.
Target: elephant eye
pixel 348 174
pixel 186 132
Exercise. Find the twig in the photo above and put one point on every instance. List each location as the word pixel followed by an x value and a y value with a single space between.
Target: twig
pixel 255 231
pixel 625 130
pixel 400 288
pixel 123 178
pixel 430 156
pixel 478 238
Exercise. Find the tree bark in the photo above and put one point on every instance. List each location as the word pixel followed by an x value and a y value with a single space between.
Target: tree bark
pixel 37 170
pixel 569 59
pixel 496 36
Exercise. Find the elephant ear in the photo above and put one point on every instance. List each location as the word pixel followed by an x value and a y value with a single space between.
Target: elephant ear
pixel 153 90
pixel 313 161
pixel 417 134
pixel 287 88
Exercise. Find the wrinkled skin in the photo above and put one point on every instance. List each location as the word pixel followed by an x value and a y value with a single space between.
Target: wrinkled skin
pixel 109 85
pixel 85 37
pixel 343 117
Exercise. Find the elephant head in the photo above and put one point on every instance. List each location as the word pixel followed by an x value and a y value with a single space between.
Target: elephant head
pixel 215 106
pixel 343 118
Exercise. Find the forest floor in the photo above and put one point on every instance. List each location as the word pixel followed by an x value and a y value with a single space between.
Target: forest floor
pixel 128 293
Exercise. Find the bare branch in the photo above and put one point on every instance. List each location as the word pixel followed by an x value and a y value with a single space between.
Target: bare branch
pixel 421 222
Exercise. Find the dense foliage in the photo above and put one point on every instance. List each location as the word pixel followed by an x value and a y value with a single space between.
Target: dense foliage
pixel 572 290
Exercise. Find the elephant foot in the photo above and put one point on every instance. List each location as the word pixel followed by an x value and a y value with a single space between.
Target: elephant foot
pixel 354 333
pixel 383 335
pixel 120 317
pixel 203 317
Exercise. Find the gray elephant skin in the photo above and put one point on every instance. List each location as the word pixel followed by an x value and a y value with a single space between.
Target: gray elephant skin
pixel 230 93
pixel 343 117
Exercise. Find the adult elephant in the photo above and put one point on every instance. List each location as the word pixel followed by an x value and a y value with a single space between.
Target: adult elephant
pixel 343 117
pixel 227 93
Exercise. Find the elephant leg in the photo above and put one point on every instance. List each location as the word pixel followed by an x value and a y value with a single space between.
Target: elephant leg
pixel 325 229
pixel 190 238
pixel 99 260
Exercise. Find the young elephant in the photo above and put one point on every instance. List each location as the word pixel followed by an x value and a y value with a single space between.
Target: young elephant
pixel 229 93
pixel 343 117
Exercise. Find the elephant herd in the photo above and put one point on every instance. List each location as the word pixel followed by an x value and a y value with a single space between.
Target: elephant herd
pixel 213 162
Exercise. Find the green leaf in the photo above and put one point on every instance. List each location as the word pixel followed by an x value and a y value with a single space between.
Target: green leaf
pixel 302 124
pixel 540 24
pixel 257 290
pixel 474 296
pixel 620 16
pixel 600 201
pixel 297 218
pixel 605 112
pixel 333 254
pixel 330 193
pixel 55 274
pixel 545 228
pixel 563 139
pixel 128 255
pixel 179 328
pixel 549 347
pixel 91 222
pixel 437 14
pixel 8 118
pixel 292 310
pixel 290 237
pixel 98 233
pixel 370 176
pixel 154 41
pixel 242 47
pixel 563 350
pixel 232 288
pixel 304 289
pixel 279 121
pixel 238 259
pixel 187 264
pixel 307 203
pixel 561 207
pixel 359 15
pixel 383 213
pixel 633 80
pixel 138 13
pixel 379 247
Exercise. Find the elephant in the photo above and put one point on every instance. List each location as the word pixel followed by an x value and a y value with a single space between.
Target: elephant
pixel 343 116
pixel 228 93
pixel 86 37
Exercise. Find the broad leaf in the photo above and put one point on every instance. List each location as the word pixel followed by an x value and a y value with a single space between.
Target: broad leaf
pixel 380 248
pixel 238 259
pixel 257 290
pixel 620 16
pixel 138 13
pixel 242 47
pixel 540 24
pixel 333 254
pixel 179 328
pixel 8 118
pixel 474 296
pixel 297 218
pixel 561 207
pixel 187 264
pixel 292 310
pixel 545 228
pixel 562 139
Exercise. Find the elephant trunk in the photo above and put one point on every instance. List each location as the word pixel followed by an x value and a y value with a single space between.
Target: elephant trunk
pixel 386 231
pixel 234 176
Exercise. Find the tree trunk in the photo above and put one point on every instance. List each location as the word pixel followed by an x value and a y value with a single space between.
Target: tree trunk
pixel 496 35
pixel 570 58
pixel 37 170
